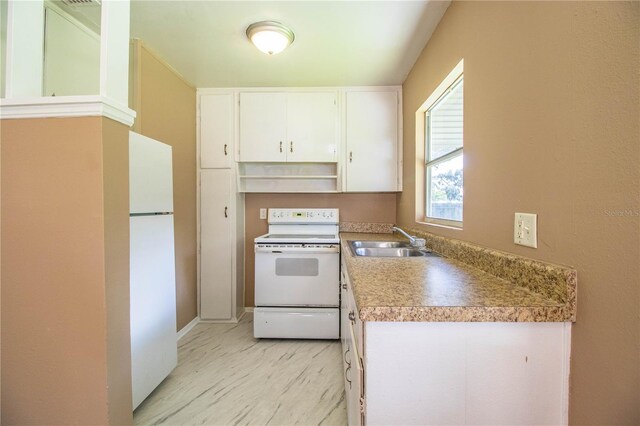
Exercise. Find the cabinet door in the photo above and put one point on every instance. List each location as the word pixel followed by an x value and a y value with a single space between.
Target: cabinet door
pixel 372 141
pixel 216 131
pixel 263 127
pixel 354 390
pixel 351 352
pixel 311 127
pixel 216 244
pixel 352 385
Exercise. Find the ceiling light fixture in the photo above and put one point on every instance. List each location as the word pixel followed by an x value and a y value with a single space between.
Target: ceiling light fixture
pixel 270 37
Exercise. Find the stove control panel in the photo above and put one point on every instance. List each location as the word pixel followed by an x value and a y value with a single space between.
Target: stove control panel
pixel 329 216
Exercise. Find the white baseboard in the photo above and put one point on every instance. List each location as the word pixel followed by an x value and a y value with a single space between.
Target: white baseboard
pixel 247 310
pixel 187 328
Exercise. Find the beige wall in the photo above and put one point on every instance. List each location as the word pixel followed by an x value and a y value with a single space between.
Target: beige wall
pixel 65 272
pixel 166 108
pixel 377 208
pixel 115 163
pixel 552 124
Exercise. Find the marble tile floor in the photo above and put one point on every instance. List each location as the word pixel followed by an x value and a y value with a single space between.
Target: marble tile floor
pixel 227 377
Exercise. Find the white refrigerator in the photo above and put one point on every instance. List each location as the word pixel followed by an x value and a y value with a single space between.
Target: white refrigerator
pixel 152 277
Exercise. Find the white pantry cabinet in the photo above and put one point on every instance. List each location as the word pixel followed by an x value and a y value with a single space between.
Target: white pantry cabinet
pixel 216 239
pixel 417 373
pixel 373 133
pixel 220 211
pixel 288 127
pixel 216 130
pixel 221 253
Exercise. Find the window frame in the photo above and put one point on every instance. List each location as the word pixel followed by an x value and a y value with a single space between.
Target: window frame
pixel 423 162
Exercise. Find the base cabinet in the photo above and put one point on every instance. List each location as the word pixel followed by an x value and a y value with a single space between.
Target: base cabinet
pixel 351 336
pixel 421 373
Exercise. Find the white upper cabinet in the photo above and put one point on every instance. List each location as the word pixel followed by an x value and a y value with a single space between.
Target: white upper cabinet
pixel 288 127
pixel 216 131
pixel 373 148
pixel 263 127
pixel 312 127
pixel 340 139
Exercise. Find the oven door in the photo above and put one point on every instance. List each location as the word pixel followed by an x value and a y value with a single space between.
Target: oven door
pixel 291 275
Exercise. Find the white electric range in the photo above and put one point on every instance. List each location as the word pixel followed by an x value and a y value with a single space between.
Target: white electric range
pixel 297 275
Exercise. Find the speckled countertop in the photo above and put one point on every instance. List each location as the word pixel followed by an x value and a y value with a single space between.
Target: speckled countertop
pixel 450 289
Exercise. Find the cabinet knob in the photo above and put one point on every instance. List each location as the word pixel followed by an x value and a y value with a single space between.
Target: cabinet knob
pixel 280 146
pixel 225 149
pixel 291 146
pixel 225 211
pixel 352 317
pixel 350 156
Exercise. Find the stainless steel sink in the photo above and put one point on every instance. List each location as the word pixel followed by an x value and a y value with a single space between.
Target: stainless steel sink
pixel 387 249
pixel 378 244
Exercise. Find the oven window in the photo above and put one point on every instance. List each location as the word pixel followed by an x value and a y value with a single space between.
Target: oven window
pixel 301 267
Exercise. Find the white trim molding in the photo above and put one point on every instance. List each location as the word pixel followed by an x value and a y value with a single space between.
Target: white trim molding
pixel 187 328
pixel 67 106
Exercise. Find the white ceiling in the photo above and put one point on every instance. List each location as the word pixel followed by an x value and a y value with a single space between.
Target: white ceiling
pixel 337 43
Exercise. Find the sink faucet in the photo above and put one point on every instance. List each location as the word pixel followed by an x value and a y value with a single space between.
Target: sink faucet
pixel 415 241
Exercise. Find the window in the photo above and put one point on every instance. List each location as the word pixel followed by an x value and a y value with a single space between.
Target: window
pixel 440 122
pixel 443 137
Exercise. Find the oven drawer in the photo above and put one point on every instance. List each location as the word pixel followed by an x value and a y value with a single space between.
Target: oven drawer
pixel 292 323
pixel 297 278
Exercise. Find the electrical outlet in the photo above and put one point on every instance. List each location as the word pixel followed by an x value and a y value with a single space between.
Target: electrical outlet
pixel 263 213
pixel 525 230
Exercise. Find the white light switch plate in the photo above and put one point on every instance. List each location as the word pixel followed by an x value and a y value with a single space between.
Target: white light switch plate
pixel 263 213
pixel 525 230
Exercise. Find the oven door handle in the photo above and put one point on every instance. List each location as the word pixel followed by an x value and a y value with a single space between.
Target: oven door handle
pixel 300 250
